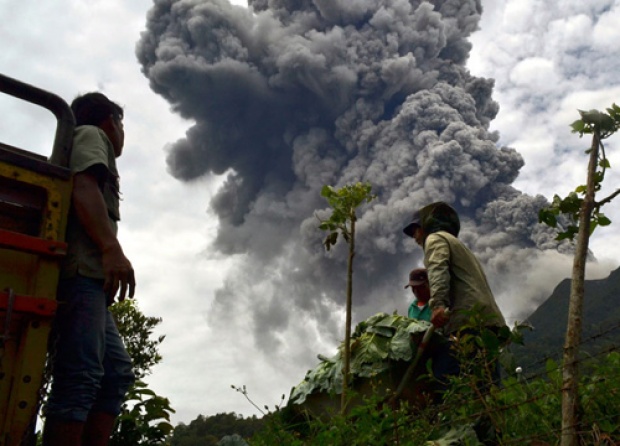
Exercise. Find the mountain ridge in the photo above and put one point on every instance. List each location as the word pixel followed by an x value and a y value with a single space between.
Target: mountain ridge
pixel 600 323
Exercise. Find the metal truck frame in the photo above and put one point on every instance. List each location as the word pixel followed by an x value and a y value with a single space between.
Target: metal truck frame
pixel 35 197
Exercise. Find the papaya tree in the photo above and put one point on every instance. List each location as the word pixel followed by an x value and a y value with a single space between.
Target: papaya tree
pixel 583 212
pixel 344 202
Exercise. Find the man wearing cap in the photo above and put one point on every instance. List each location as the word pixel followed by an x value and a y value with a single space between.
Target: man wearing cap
pixel 418 281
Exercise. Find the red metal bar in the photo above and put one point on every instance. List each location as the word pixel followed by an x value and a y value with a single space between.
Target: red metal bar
pixel 28 304
pixel 35 245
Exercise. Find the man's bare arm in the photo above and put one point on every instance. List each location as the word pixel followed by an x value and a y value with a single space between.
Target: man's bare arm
pixel 92 212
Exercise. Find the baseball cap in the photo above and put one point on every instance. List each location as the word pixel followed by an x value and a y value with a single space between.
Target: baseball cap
pixel 417 277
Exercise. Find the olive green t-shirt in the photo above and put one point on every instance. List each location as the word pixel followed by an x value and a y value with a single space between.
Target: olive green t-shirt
pixel 91 147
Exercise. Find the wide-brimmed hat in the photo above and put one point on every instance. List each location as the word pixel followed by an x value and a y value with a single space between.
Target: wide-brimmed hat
pixel 438 216
pixel 416 222
pixel 417 277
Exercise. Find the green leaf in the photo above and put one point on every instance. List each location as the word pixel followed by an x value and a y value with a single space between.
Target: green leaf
pixel 490 340
pixel 562 236
pixel 571 204
pixel 333 237
pixel 547 217
pixel 325 226
pixel 593 225
pixel 372 347
pixel 400 346
pixel 387 332
pixel 603 220
pixel 570 233
pixel 145 391
pixel 604 163
pixel 331 240
pixel 598 120
pixel 343 201
pixel 613 110
pixel 578 127
pixel 553 371
pixel 327 191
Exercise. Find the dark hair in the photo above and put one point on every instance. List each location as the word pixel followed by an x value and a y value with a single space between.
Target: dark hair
pixel 94 108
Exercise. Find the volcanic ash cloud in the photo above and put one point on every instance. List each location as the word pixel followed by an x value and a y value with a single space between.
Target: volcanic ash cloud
pixel 290 95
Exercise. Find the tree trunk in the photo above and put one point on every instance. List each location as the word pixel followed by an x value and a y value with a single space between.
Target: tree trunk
pixel 347 332
pixel 570 372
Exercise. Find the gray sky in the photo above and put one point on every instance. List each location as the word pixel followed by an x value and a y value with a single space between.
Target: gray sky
pixel 238 274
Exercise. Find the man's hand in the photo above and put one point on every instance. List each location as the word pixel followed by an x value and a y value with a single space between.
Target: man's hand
pixel 118 274
pixel 439 317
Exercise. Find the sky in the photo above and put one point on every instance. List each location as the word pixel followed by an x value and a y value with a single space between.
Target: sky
pixel 235 120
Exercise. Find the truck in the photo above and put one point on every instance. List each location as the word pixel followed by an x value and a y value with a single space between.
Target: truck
pixel 35 198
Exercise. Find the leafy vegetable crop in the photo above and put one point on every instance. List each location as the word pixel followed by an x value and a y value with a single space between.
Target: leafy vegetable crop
pixel 375 344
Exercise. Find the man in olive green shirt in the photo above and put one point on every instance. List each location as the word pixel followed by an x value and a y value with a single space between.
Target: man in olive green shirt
pixel 457 281
pixel 91 369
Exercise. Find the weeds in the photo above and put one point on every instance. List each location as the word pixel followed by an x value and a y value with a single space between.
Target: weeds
pixel 475 410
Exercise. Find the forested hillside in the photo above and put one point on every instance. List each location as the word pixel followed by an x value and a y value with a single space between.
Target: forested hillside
pixel 208 430
pixel 601 323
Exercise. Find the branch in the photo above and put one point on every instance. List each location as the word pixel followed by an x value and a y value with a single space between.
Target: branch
pixel 602 147
pixel 608 199
pixel 243 391
pixel 602 158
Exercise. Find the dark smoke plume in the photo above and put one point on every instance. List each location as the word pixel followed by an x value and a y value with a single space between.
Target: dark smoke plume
pixel 290 95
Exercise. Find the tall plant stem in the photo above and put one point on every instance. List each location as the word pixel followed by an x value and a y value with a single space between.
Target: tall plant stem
pixel 570 371
pixel 347 332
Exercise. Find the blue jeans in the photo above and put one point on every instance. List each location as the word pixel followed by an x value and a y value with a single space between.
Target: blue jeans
pixel 91 370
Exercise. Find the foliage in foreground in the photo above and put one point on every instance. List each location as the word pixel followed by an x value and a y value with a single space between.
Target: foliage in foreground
pixel 586 215
pixel 145 416
pixel 601 125
pixel 522 411
pixel 344 202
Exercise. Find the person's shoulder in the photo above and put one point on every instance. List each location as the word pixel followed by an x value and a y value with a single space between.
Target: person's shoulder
pixel 90 137
pixel 440 239
pixel 90 146
pixel 88 133
pixel 440 236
